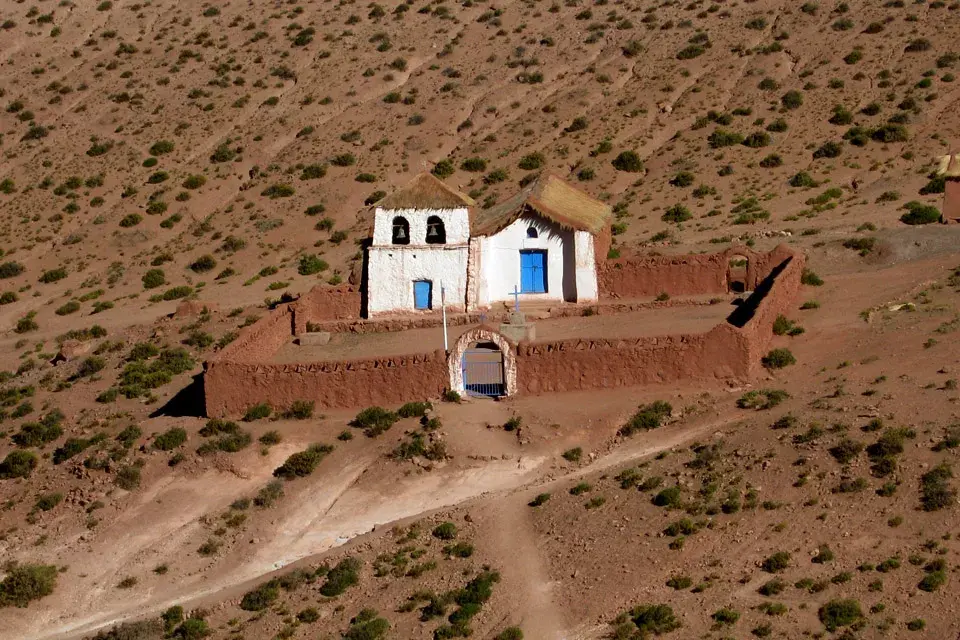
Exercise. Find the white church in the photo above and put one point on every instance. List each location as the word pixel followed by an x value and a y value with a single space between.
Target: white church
pixel 544 242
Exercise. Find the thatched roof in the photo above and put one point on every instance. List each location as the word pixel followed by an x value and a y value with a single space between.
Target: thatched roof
pixel 426 191
pixel 949 166
pixel 552 199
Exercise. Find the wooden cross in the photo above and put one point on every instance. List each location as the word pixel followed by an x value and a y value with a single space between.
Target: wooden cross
pixel 516 298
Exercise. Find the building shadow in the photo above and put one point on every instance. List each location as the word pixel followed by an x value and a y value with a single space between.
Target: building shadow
pixel 186 403
pixel 748 308
pixel 364 275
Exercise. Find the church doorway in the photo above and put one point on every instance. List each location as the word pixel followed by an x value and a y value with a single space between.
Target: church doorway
pixel 482 365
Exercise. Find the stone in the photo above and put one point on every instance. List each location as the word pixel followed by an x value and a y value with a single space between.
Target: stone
pixel 314 339
pixel 518 332
pixel 189 308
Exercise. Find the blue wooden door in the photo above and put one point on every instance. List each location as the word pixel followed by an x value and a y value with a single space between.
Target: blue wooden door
pixel 533 272
pixel 422 294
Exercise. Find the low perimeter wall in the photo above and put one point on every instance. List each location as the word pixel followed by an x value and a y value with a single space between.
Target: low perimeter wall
pixel 241 375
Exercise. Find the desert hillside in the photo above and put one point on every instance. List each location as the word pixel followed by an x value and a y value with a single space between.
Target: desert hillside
pixel 229 153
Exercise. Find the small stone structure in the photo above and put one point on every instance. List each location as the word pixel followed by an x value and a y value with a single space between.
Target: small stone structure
pixel 242 374
pixel 517 329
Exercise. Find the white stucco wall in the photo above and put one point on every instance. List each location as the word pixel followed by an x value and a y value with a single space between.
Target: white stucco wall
pixel 586 267
pixel 499 268
pixel 456 223
pixel 391 271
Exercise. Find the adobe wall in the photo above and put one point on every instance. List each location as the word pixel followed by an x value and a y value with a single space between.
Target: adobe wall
pixel 646 276
pixel 777 295
pixel 232 387
pixel 726 351
pixel 951 201
pixel 239 376
pixel 262 339
pixel 324 304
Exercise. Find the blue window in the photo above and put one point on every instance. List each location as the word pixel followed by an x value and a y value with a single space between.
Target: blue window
pixel 533 272
pixel 422 294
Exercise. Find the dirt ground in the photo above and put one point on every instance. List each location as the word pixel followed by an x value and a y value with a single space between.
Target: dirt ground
pixel 647 322
pixel 158 150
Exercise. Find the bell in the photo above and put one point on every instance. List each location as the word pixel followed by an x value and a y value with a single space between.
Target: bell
pixel 432 232
pixel 399 233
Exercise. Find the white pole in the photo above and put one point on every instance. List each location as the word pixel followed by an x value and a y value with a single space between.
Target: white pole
pixel 443 308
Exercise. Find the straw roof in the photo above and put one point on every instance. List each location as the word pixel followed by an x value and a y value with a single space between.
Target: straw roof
pixel 949 166
pixel 426 191
pixel 552 199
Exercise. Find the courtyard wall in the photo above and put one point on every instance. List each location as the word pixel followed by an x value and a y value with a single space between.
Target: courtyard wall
pixel 242 375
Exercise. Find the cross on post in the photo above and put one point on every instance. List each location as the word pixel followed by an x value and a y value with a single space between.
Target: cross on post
pixel 516 298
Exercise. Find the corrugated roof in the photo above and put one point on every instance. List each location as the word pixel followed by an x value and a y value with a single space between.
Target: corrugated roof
pixel 552 199
pixel 949 166
pixel 426 191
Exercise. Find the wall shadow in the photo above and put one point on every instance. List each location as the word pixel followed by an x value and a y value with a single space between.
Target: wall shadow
pixel 189 402
pixel 745 311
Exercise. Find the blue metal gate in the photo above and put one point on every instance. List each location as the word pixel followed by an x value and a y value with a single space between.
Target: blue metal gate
pixel 483 372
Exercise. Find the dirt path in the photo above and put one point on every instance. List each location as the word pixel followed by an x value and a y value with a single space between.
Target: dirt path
pixel 511 534
pixel 356 508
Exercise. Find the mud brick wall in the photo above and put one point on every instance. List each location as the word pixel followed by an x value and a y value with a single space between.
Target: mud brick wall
pixel 324 304
pixel 570 365
pixel 232 387
pixel 261 340
pixel 777 295
pixel 951 200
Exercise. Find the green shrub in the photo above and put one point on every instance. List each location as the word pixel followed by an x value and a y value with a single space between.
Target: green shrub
pixel 367 625
pixel 935 490
pixel 803 179
pixel 650 619
pixel 846 450
pixel 778 359
pixel 194 182
pixel 810 278
pixel 302 463
pixel 933 581
pixel 676 214
pixel 341 577
pixel 776 563
pixel 573 455
pixel 669 498
pixel 840 613
pixel 414 409
pixel 647 417
pixel 445 531
pixel 176 293
pixel 18 464
pixel 628 161
pixel 792 100
pixel 261 597
pixel 723 138
pixel 53 275
pixel 268 494
pixel 170 439
pixel 37 434
pixel 374 421
pixel 275 191
pixel 540 499
pixel 130 220
pixel 160 148
pixel 203 264
pixel 725 617
pixel 91 365
pixel 510 633
pixel 299 410
pixel 919 213
pixel 154 278
pixel 258 412
pixel 311 264
pixel 69 307
pixel 11 270
pixel 25 583
pixel 824 555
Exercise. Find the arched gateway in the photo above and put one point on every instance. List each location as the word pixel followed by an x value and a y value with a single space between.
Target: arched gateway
pixel 483 363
